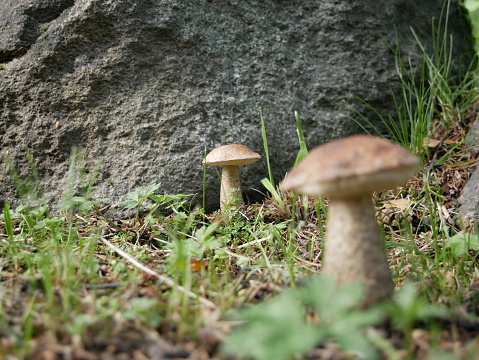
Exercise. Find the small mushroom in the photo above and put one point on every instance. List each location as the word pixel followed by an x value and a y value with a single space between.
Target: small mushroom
pixel 230 157
pixel 348 171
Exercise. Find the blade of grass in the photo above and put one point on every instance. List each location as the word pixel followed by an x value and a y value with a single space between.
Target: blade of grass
pixel 303 149
pixel 204 178
pixel 265 145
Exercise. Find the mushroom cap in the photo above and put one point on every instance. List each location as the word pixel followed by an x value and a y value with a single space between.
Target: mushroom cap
pixel 351 166
pixel 234 154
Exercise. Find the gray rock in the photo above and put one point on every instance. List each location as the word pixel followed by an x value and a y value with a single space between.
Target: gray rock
pixel 22 22
pixel 148 85
pixel 472 138
pixel 468 209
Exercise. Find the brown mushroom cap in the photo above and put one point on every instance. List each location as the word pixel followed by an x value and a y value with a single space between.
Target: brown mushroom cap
pixel 234 154
pixel 350 166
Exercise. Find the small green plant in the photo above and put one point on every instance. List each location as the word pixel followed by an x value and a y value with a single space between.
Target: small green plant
pixel 194 246
pixel 144 310
pixel 269 183
pixel 81 205
pixel 80 181
pixel 279 329
pixel 139 198
pixel 462 242
pixel 271 332
pixel 409 308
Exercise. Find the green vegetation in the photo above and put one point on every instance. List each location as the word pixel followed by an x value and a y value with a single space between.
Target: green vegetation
pixel 472 7
pixel 174 282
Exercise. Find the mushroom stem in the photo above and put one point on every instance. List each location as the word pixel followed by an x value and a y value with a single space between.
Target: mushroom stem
pixel 230 186
pixel 354 250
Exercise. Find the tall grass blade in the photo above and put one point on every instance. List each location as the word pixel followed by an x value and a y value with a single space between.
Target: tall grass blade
pixel 34 172
pixel 204 178
pixel 265 145
pixel 7 222
pixel 303 149
pixel 28 189
pixel 274 192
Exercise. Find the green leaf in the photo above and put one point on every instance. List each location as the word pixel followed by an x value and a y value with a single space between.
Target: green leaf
pixel 278 329
pixel 143 310
pixel 205 240
pixel 462 242
pixel 353 320
pixel 409 307
pixel 82 203
pixel 47 223
pixel 130 204
pixel 337 307
pixel 273 330
pixel 70 203
pixel 329 300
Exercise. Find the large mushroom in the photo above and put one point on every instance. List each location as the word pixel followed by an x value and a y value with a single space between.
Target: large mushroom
pixel 230 157
pixel 348 171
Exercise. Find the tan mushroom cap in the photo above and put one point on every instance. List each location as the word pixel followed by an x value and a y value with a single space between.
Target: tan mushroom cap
pixel 234 154
pixel 351 166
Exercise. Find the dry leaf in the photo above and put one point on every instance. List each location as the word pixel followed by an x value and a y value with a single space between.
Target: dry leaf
pixel 432 143
pixel 396 205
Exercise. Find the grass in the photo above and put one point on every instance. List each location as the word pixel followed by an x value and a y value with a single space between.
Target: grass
pixel 170 282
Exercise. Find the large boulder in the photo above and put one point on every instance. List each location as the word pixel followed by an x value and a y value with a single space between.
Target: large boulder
pixel 149 85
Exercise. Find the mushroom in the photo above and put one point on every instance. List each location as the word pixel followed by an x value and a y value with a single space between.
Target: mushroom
pixel 230 157
pixel 348 171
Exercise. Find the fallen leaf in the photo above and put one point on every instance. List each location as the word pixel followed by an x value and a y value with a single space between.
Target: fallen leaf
pixel 432 143
pixel 396 205
pixel 195 265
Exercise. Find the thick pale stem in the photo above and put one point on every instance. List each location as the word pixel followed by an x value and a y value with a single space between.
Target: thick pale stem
pixel 354 250
pixel 230 186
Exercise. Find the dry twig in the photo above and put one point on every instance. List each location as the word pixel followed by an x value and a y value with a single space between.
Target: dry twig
pixel 162 278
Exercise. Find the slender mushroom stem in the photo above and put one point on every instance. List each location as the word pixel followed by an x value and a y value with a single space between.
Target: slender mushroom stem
pixel 230 157
pixel 230 186
pixel 354 250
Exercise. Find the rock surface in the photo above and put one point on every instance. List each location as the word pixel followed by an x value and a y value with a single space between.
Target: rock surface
pixel 148 86
pixel 468 209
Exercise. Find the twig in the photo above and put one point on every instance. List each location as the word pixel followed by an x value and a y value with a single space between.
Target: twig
pixel 252 242
pixel 162 278
pixel 310 263
pixel 103 286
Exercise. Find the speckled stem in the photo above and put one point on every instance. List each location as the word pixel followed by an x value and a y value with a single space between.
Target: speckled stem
pixel 354 250
pixel 230 186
